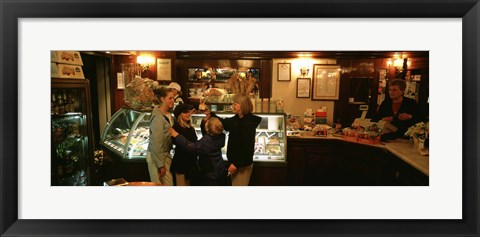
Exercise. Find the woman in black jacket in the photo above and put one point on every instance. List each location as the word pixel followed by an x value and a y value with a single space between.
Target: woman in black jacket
pixel 399 111
pixel 241 138
pixel 184 163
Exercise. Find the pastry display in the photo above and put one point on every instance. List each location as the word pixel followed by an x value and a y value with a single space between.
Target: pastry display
pixel 139 93
pixel 272 149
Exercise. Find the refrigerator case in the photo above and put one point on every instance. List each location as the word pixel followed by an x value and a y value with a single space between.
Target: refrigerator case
pixel 126 134
pixel 270 145
pixel 71 132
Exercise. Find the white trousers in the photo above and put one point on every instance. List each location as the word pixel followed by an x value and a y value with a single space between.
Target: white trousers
pixel 153 170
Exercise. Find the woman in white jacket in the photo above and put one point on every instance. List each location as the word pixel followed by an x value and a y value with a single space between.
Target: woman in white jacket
pixel 160 141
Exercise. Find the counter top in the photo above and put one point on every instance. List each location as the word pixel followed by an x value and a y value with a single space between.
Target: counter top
pixel 408 153
pixel 401 148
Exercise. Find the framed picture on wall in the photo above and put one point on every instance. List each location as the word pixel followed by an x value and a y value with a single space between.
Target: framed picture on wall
pixel 326 82
pixel 284 71
pixel 164 69
pixel 303 87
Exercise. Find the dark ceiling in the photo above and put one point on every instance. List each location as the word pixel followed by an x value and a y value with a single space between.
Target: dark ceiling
pixel 295 54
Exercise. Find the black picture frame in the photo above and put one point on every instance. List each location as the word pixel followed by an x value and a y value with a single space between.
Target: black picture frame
pixel 305 80
pixel 12 11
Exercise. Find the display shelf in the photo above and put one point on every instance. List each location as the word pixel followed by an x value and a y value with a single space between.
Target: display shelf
pixel 270 145
pixel 126 135
pixel 71 133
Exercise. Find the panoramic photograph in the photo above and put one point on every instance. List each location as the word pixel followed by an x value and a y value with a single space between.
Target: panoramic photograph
pixel 239 118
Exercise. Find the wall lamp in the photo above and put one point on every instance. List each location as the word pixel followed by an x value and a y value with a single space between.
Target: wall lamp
pixel 304 71
pixel 145 62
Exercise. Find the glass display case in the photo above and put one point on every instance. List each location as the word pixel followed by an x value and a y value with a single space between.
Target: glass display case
pixel 71 132
pixel 126 134
pixel 270 145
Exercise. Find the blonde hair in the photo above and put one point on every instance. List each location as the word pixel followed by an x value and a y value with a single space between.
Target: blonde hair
pixel 245 103
pixel 214 126
pixel 184 124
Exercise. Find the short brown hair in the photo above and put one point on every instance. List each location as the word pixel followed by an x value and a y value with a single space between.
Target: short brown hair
pixel 398 82
pixel 245 103
pixel 214 126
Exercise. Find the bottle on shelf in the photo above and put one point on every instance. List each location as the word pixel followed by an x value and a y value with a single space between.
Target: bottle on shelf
pixel 60 104
pixel 76 102
pixel 54 105
pixel 66 102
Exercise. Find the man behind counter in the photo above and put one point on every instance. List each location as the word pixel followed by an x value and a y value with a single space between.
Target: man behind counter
pixel 401 112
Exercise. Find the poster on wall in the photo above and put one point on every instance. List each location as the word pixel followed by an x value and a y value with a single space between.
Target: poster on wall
pixel 164 69
pixel 326 82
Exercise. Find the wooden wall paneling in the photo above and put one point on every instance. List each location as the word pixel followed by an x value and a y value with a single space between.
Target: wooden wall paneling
pixel 266 78
pixel 341 113
pixel 353 68
pixel 263 175
pixel 418 63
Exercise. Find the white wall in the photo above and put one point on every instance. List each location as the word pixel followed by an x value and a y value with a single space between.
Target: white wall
pixel 287 90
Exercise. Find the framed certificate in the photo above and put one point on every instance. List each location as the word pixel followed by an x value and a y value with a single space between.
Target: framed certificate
pixel 284 71
pixel 326 82
pixel 303 87
pixel 164 69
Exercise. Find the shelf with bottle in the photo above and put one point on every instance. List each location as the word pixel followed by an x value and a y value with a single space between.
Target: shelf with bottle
pixel 68 150
pixel 65 101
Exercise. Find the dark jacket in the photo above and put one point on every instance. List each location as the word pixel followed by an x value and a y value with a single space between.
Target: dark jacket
pixel 209 149
pixel 241 138
pixel 184 161
pixel 408 106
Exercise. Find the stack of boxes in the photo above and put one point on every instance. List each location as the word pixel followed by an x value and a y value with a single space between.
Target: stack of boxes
pixel 321 116
pixel 66 64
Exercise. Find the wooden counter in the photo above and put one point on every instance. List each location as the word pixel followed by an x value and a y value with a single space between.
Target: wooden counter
pixel 410 155
pixel 401 148
pixel 336 161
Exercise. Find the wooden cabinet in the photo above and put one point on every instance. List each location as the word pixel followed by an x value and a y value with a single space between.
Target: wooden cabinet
pixel 331 162
pixel 405 175
pixel 312 162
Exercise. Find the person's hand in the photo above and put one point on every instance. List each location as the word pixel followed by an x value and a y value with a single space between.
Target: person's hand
pixel 173 132
pixel 162 171
pixel 388 119
pixel 404 116
pixel 232 169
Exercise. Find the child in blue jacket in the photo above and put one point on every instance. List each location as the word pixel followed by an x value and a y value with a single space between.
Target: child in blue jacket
pixel 209 149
